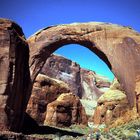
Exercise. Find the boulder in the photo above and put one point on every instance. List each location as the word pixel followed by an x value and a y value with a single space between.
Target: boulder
pixel 14 75
pixel 111 105
pixel 45 90
pixel 65 111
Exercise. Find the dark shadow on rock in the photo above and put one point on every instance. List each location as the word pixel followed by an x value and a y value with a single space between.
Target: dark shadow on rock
pixel 31 127
pixel 3 138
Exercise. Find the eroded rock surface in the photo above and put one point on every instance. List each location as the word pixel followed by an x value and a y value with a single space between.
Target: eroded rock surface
pixel 65 111
pixel 14 75
pixel 111 105
pixel 61 75
pixel 45 90
pixel 65 70
pixel 84 83
pixel 92 84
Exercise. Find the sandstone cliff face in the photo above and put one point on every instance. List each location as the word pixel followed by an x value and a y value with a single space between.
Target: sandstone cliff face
pixel 111 105
pixel 84 83
pixel 64 69
pixel 137 91
pixel 65 111
pixel 60 75
pixel 92 84
pixel 14 75
pixel 45 90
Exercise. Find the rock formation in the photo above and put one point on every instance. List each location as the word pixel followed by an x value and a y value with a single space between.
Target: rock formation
pixel 60 75
pixel 86 84
pixel 92 84
pixel 65 70
pixel 111 105
pixel 14 75
pixel 65 111
pixel 45 90
pixel 114 44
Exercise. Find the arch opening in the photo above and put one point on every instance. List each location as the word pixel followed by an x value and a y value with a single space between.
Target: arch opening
pixel 87 58
pixel 82 80
pixel 95 38
pixel 51 48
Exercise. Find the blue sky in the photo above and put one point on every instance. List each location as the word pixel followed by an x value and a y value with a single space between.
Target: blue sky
pixel 32 15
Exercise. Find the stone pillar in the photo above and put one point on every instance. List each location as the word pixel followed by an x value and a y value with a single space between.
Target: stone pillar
pixel 14 75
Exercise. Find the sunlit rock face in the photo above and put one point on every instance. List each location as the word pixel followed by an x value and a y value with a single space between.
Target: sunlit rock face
pixel 45 90
pixel 65 111
pixel 61 75
pixel 93 85
pixel 111 105
pixel 84 83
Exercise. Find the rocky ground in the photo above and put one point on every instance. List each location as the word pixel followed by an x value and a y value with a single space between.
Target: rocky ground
pixel 123 132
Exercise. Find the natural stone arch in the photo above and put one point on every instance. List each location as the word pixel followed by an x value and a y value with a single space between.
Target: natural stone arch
pixel 117 46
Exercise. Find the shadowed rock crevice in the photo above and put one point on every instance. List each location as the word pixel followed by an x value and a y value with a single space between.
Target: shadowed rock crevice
pixel 31 127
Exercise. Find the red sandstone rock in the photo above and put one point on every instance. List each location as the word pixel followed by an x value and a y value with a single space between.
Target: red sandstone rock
pixel 92 84
pixel 65 70
pixel 111 105
pixel 114 44
pixel 81 82
pixel 45 90
pixel 14 75
pixel 65 111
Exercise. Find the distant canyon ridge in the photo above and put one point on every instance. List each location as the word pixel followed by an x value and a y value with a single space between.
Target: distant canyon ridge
pixel 84 83
pixel 21 60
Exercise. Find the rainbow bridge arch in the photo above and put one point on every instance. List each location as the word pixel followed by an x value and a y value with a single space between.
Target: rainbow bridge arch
pixel 117 46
